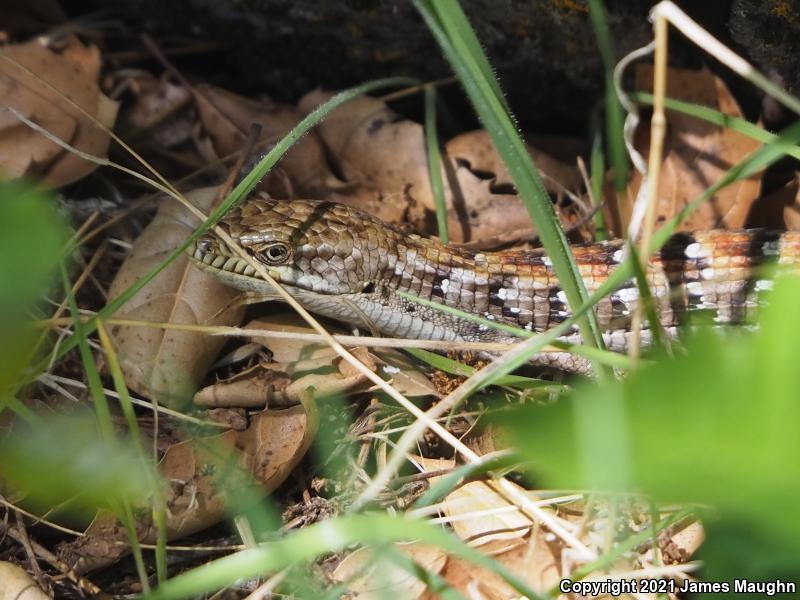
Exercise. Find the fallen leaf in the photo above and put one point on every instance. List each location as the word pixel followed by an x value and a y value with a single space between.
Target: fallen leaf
pixel 484 203
pixel 384 157
pixel 481 516
pixel 157 106
pixel 370 575
pixel 25 152
pixel 170 364
pixel 779 209
pixel 697 153
pixel 227 118
pixel 534 561
pixel 200 476
pixel 16 584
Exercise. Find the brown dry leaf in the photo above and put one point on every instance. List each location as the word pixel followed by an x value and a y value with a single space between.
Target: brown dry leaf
pixel 370 199
pixel 697 153
pixel 169 364
pixel 780 209
pixel 257 386
pixel 484 518
pixel 158 106
pixel 403 373
pixel 478 514
pixel 297 355
pixel 271 384
pixel 286 350
pixel 267 452
pixel 227 118
pixel 375 149
pixel 16 584
pixel 74 73
pixel 535 561
pixel 370 576
pixel 276 441
pixel 384 157
pixel 484 203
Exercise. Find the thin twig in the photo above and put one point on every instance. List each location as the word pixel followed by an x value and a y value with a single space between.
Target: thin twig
pixel 658 128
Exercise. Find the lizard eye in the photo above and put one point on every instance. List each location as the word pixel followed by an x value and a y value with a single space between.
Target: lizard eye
pixel 276 253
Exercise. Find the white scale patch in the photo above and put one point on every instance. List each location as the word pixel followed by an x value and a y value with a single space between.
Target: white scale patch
pixel 763 284
pixel 695 288
pixel 445 284
pixel 502 293
pixel 618 256
pixel 546 261
pixel 707 273
pixel 771 248
pixel 513 310
pixel 696 250
pixel 561 296
pixel 628 295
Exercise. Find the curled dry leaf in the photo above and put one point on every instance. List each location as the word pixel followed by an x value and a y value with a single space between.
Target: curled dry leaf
pixel 272 384
pixel 28 72
pixel 290 350
pixel 16 584
pixel 779 209
pixel 369 575
pixel 378 150
pixel 535 561
pixel 227 118
pixel 277 385
pixel 478 514
pixel 200 476
pixel 299 365
pixel 157 106
pixel 697 153
pixel 169 364
pixel 385 156
pixel 481 196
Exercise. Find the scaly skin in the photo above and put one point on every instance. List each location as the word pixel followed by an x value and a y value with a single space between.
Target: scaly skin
pixel 342 263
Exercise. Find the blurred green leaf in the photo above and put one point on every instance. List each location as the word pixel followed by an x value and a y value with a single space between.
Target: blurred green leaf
pixel 66 459
pixel 32 238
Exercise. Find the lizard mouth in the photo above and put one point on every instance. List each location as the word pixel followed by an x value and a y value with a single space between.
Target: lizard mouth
pixel 211 255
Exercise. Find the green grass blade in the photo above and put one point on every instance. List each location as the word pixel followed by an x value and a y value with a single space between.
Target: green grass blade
pixel 447 483
pixel 324 538
pixel 96 391
pixel 718 118
pixel 597 168
pixel 646 298
pixel 121 506
pixel 614 113
pixel 435 162
pixel 444 18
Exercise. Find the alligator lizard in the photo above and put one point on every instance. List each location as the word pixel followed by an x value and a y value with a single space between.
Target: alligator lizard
pixel 342 263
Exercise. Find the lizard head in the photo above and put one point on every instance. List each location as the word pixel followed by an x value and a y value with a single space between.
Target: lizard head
pixel 314 246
